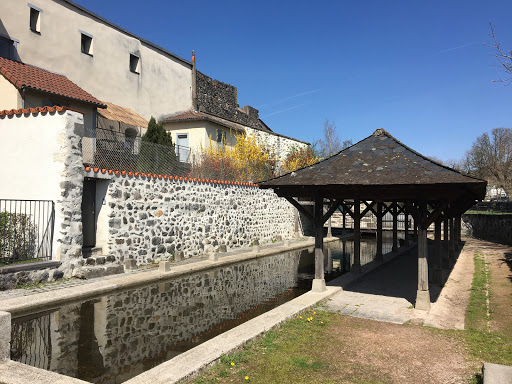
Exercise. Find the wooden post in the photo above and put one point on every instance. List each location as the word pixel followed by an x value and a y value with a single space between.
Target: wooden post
pixel 319 281
pixel 459 229
pixel 406 227
pixel 423 294
pixel 438 262
pixel 344 220
pixel 395 227
pixel 296 219
pixel 329 260
pixel 356 266
pixel 378 256
pixel 415 230
pixel 446 246
pixel 329 228
pixel 451 242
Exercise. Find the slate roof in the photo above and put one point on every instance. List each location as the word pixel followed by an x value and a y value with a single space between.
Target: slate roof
pixel 24 76
pixel 380 160
pixel 124 115
pixel 200 116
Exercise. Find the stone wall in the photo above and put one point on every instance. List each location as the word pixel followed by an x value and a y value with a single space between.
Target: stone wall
pixel 150 219
pixel 495 228
pixel 220 99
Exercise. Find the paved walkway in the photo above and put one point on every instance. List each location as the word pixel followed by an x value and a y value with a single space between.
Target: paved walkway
pixel 388 293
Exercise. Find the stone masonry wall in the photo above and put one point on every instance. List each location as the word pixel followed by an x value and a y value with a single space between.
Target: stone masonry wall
pixel 489 227
pixel 151 219
pixel 220 99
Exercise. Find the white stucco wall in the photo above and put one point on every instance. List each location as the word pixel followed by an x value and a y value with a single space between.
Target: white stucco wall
pixel 42 161
pixel 9 96
pixel 279 144
pixel 163 86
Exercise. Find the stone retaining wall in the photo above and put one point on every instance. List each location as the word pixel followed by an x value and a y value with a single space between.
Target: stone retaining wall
pixel 497 228
pixel 152 219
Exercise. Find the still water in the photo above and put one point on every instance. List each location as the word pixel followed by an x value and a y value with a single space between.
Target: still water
pixel 115 337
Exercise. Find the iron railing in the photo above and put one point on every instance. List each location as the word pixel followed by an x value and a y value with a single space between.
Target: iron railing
pixel 108 149
pixel 31 341
pixel 26 230
pixel 493 206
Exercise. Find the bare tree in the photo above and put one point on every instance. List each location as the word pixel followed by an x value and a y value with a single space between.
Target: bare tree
pixel 490 158
pixel 504 58
pixel 331 143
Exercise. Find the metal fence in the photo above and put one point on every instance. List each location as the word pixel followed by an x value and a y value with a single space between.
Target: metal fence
pixel 26 230
pixel 493 206
pixel 31 341
pixel 107 149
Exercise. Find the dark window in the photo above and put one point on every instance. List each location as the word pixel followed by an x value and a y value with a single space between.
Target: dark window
pixel 35 20
pixel 86 44
pixel 221 136
pixel 134 63
pixel 7 48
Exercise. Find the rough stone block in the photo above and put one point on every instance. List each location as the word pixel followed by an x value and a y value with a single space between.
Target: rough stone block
pixel 114 269
pixel 5 335
pixel 130 264
pixel 255 242
pixel 164 266
pixel 318 285
pixel 212 256
pixel 88 273
pixel 100 260
pixel 287 243
pixel 90 261
pixel 179 256
pixel 255 248
pixel 279 238
pixel 110 258
pixel 423 300
pixel 222 248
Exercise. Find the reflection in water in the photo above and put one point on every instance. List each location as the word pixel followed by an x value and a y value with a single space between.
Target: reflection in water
pixel 115 337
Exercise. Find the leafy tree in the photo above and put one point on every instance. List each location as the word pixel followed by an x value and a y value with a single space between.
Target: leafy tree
pixel 299 157
pixel 157 134
pixel 490 158
pixel 157 152
pixel 331 143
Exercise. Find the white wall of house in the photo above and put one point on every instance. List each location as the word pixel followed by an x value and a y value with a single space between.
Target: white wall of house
pixel 9 96
pixel 42 161
pixel 162 86
pixel 279 144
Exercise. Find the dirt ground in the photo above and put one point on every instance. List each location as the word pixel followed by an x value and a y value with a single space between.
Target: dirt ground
pixel 398 353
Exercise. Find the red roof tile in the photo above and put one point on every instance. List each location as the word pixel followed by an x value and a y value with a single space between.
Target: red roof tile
pixel 35 111
pixel 26 76
pixel 176 178
pixel 198 116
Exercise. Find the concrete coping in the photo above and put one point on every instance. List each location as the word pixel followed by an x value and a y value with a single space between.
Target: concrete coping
pixel 497 374
pixel 53 299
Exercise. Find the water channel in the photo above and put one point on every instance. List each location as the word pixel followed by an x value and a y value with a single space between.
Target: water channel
pixel 113 338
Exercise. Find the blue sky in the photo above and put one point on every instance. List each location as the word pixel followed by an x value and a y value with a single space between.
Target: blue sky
pixel 417 69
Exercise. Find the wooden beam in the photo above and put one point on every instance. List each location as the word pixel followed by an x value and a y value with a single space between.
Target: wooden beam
pixel 346 209
pixel 301 209
pixel 368 209
pixel 432 216
pixel 331 210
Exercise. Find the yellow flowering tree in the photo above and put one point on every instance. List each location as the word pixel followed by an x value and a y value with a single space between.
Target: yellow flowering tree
pixel 299 157
pixel 245 162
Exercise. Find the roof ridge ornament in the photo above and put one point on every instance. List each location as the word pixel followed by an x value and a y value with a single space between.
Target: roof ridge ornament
pixel 380 132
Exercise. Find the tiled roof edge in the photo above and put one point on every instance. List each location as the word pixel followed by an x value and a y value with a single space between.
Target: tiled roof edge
pixel 100 104
pixel 35 111
pixel 166 177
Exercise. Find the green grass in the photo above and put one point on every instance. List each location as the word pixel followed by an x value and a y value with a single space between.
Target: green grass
pixel 470 212
pixel 484 345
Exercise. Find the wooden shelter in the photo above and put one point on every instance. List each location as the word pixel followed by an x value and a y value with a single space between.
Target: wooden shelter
pixel 382 175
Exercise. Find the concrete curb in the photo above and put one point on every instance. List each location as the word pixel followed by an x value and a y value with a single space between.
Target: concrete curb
pixel 53 299
pixel 12 372
pixel 497 374
pixel 191 362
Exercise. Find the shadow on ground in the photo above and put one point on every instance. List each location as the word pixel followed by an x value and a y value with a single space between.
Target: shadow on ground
pixel 399 278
